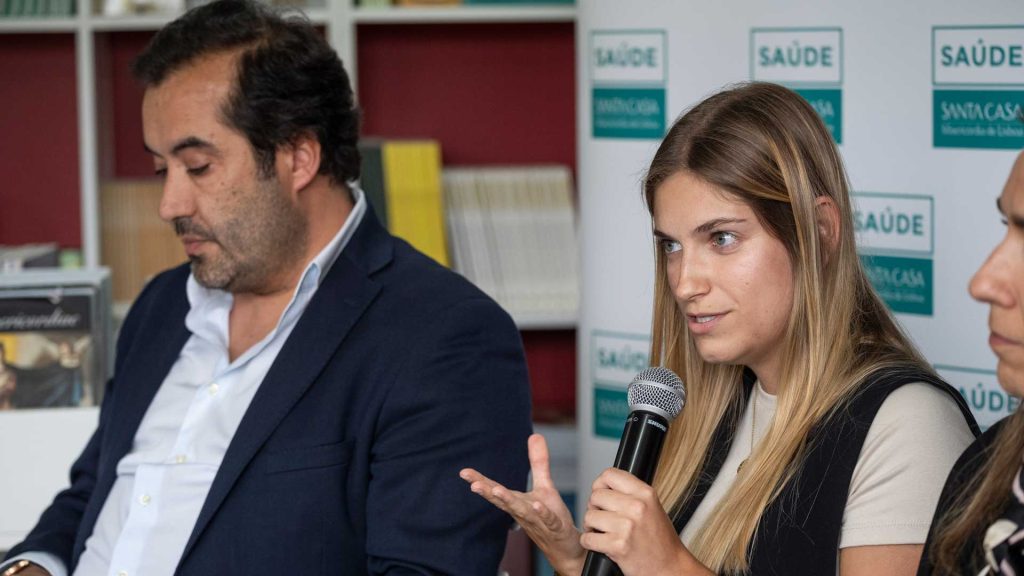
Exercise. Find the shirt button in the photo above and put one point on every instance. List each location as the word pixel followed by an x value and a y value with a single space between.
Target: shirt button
pixel 122 573
pixel 144 499
pixel 179 459
pixel 213 389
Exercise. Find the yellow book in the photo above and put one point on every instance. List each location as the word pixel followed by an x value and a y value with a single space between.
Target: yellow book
pixel 415 206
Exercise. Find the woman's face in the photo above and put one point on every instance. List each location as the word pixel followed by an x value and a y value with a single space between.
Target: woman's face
pixel 730 277
pixel 1000 283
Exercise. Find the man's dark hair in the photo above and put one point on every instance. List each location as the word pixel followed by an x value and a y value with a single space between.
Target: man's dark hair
pixel 290 81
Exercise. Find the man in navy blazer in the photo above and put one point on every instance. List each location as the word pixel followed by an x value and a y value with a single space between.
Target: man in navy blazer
pixel 300 398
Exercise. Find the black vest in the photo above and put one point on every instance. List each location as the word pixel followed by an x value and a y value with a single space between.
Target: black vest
pixel 798 534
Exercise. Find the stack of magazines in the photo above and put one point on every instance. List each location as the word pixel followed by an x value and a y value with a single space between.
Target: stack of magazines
pixel 55 333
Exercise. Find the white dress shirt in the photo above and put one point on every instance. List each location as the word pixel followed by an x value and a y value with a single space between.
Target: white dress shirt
pixel 163 481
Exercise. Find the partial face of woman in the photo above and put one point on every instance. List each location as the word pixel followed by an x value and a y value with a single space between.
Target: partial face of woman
pixel 1000 283
pixel 730 277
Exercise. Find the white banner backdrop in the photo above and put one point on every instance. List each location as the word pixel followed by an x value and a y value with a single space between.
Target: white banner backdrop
pixel 920 95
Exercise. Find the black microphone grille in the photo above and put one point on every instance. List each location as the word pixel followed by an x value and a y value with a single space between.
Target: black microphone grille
pixel 659 390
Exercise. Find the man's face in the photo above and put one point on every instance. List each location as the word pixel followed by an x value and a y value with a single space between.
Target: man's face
pixel 1000 283
pixel 241 232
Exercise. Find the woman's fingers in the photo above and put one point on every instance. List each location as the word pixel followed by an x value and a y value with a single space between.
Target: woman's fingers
pixel 620 481
pixel 520 506
pixel 550 520
pixel 490 490
pixel 540 462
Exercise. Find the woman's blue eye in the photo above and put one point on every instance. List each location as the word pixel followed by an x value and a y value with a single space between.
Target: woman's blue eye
pixel 669 246
pixel 723 239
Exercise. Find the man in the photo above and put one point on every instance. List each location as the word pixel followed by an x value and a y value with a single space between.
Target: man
pixel 300 399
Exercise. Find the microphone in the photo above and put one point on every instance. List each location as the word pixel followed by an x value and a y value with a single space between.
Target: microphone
pixel 656 396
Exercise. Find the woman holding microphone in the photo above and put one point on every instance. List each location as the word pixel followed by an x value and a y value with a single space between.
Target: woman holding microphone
pixel 815 437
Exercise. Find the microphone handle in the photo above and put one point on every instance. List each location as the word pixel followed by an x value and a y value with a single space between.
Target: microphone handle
pixel 638 454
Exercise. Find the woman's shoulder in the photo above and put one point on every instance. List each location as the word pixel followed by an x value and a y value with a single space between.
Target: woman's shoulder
pixel 920 426
pixel 922 404
pixel 919 423
pixel 916 436
pixel 917 390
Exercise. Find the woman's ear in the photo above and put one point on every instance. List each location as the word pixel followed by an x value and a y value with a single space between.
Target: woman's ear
pixel 827 214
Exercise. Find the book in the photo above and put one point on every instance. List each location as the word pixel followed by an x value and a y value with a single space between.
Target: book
pixel 134 242
pixel 402 181
pixel 513 234
pixel 15 258
pixel 55 338
pixel 371 177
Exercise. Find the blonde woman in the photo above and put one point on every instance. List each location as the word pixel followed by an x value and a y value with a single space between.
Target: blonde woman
pixel 815 439
pixel 979 519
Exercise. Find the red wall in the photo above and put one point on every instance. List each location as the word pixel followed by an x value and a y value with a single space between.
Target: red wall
pixel 38 140
pixel 125 110
pixel 491 93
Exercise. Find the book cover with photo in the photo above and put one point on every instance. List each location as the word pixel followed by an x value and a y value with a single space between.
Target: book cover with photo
pixel 54 339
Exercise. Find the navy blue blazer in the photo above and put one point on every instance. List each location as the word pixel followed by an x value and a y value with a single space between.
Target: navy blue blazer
pixel 398 374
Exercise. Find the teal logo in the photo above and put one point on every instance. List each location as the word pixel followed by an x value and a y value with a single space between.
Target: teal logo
pixel 895 239
pixel 904 283
pixel 629 112
pixel 828 103
pixel 616 358
pixel 981 390
pixel 610 411
pixel 978 119
pixel 628 75
pixel 977 78
pixel 808 60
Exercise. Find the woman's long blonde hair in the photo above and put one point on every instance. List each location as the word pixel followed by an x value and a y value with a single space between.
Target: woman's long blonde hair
pixel 764 145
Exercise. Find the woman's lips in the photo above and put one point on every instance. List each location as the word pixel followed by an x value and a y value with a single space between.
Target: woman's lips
pixel 703 323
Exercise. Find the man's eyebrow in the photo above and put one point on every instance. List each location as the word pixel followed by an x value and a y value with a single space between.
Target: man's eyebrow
pixel 185 144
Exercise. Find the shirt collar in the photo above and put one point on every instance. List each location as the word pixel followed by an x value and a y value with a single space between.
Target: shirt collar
pixel 325 259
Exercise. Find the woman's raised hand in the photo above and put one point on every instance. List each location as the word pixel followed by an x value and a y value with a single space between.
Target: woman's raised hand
pixel 540 512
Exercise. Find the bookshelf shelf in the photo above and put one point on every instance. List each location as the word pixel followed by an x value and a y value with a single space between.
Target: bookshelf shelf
pixel 42 25
pixel 147 22
pixel 546 322
pixel 463 14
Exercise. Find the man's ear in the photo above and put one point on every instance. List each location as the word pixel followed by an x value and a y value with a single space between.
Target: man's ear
pixel 827 214
pixel 302 160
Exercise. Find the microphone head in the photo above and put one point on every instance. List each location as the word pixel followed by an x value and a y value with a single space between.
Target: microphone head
pixel 657 390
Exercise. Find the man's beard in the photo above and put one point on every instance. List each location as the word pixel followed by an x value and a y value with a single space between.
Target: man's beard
pixel 262 236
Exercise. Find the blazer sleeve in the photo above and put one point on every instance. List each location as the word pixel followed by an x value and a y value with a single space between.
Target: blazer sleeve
pixel 461 400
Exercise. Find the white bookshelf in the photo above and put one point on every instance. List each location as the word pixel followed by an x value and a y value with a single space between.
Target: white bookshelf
pixel 57 25
pixel 341 21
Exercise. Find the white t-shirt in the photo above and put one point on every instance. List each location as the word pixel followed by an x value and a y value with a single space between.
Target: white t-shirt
pixel 912 444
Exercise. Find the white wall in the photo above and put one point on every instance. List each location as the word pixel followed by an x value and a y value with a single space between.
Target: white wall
pixel 881 56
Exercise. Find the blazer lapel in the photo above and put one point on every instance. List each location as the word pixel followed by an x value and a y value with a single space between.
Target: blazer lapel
pixel 341 299
pixel 149 360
